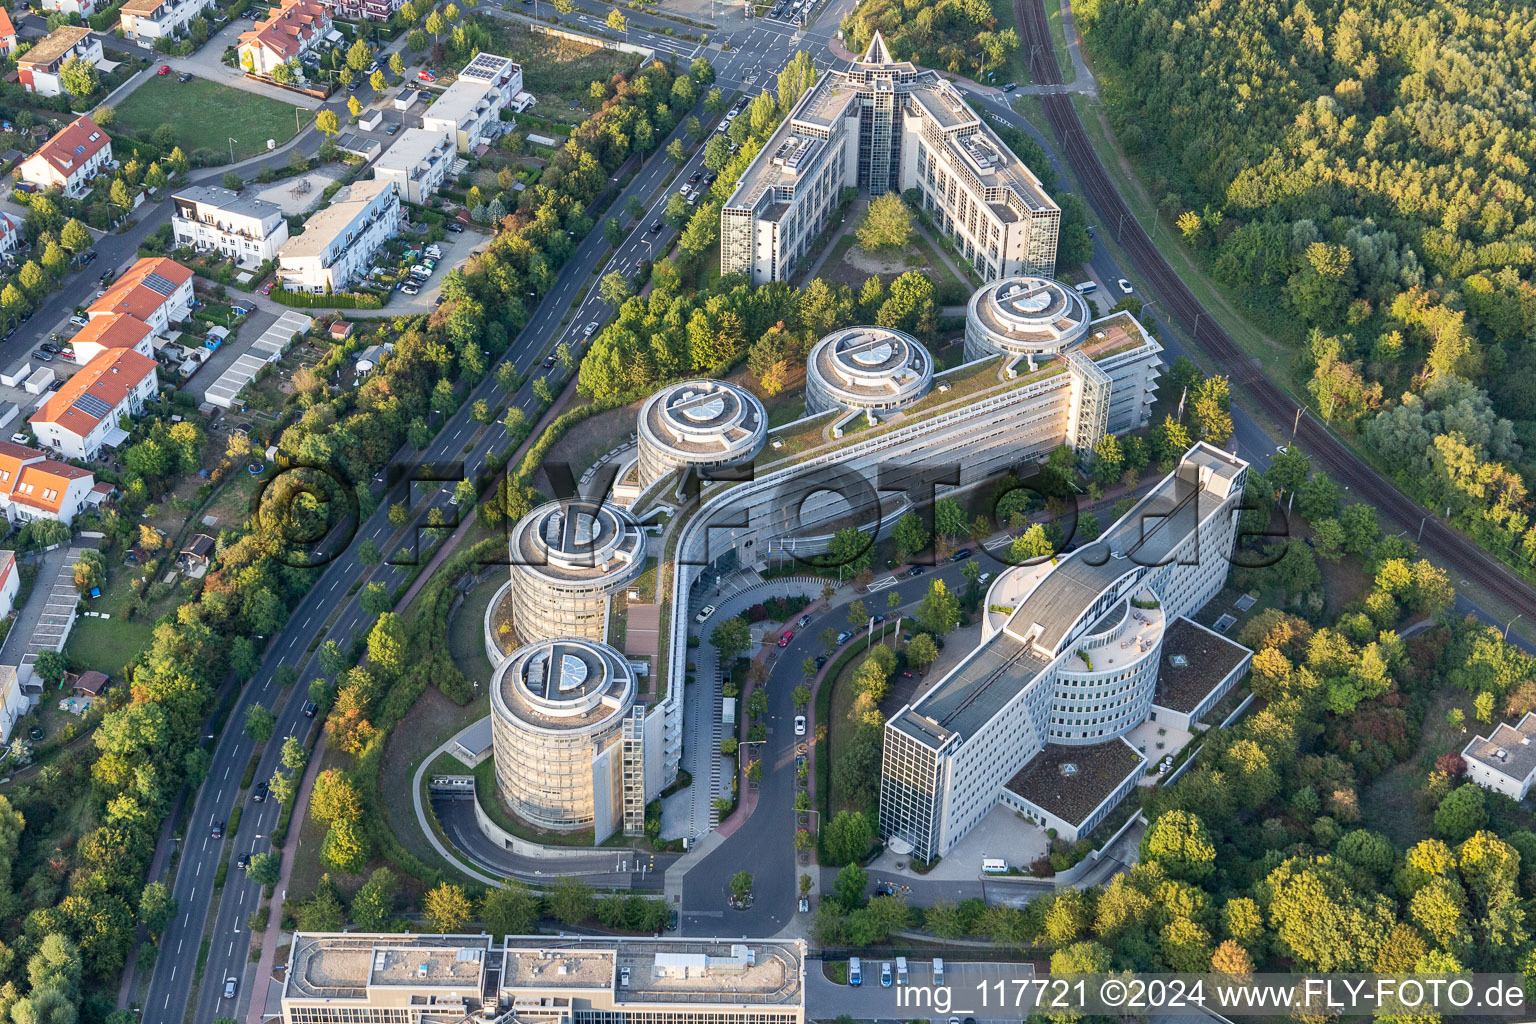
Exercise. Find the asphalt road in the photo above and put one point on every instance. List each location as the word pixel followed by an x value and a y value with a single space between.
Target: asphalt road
pixel 328 612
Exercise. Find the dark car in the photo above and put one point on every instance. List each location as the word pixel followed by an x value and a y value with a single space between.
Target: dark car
pixel 549 361
pixel 453 227
pixel 184 77
pixel 57 383
pixel 354 85
pixel 218 830
pixel 50 348
pixel 656 227
pixel 821 659
pixel 916 570
pixel 394 126
pixel 962 555
pixel 310 709
pixel 693 179
pixel 709 179
pixel 260 795
pixel 243 861
pixel 1010 87
pixel 46 357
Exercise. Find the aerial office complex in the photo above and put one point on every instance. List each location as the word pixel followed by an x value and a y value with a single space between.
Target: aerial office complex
pixel 557 713
pixel 699 424
pixel 568 560
pixel 1073 668
pixel 866 369
pixel 885 125
pixel 361 978
pixel 1023 316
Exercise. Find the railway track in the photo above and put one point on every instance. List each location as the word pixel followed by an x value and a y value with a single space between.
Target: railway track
pixel 1448 546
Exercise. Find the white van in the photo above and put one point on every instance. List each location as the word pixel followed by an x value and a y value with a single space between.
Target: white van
pixel 1086 288
pixel 855 975
pixel 938 971
pixel 994 865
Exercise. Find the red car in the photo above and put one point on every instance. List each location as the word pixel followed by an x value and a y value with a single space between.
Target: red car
pixel 266 289
pixel 165 69
pixel 427 75
pixel 784 640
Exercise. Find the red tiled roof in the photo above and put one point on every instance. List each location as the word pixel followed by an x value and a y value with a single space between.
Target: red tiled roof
pixel 39 478
pixel 76 143
pixel 115 330
pixel 109 377
pixel 130 293
pixel 289 26
pixel 7 29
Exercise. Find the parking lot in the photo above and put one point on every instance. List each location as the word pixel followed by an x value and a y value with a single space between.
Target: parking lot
pixel 396 264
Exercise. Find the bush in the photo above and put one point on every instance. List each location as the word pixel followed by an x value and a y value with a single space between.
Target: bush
pixel 336 300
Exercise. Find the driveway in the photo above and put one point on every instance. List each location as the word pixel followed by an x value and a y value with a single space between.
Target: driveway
pixel 206 63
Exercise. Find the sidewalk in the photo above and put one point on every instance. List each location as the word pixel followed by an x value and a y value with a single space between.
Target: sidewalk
pixel 270 939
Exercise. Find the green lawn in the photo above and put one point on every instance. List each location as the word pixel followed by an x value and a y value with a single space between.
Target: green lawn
pixel 190 109
pixel 559 71
pixel 108 644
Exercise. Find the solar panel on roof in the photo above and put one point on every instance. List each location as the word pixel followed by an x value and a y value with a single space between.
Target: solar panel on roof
pixel 92 406
pixel 159 285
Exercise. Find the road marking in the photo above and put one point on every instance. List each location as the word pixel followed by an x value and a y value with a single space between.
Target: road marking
pixel 881 584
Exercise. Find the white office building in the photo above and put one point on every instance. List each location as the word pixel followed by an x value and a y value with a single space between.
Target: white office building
pixel 338 243
pixel 871 370
pixel 568 560
pixel 417 163
pixel 1071 670
pixel 882 126
pixel 702 425
pixel 1504 760
pixel 212 219
pixel 469 111
pixel 394 978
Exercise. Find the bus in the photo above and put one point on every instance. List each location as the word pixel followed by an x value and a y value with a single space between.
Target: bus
pixel 855 978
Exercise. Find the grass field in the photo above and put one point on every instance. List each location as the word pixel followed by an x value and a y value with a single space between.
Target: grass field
pixel 247 118
pixel 559 71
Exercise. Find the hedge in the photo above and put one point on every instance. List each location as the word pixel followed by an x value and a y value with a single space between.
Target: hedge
pixel 329 300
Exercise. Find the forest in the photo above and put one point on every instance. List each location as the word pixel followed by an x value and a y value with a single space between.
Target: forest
pixel 1358 174
pixel 958 36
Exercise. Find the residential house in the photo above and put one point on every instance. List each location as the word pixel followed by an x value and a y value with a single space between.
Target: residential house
pixel 148 20
pixel 7 33
pixel 39 67
pixel 88 411
pixel 10 582
pixel 287 34
pixel 209 218
pixel 110 333
pixel 373 10
pixel 91 683
pixel 338 243
pixel 1505 760
pixel 197 552
pixel 84 8
pixel 10 233
pixel 155 290
pixel 33 486
pixel 71 159
pixel 469 110
pixel 418 163
pixel 14 701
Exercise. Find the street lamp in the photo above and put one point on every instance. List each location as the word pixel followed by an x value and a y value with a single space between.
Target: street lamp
pixel 298 126
pixel 232 150
pixel 1510 623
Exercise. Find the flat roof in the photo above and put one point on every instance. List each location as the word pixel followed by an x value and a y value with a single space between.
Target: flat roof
pixel 343 966
pixel 460 99
pixel 412 147
pixel 321 229
pixel 229 202
pixel 1508 750
pixel 55 45
pixel 1072 781
pixel 740 972
pixel 967 698
pixel 1193 662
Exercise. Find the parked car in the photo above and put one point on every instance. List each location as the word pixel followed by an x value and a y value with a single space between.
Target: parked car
pixel 165 69
pixel 916 570
pixel 843 637
pixel 266 289
pixel 788 635
pixel 453 227
pixel 426 75
pixel 799 725
pixel 410 288
pixel 49 347
pixel 983 578
pixel 962 555
pixel 184 77
pixel 20 438
pixel 704 613
pixel 805 620
pixel 55 384
pixel 46 357
pixel 821 659
pixel 394 126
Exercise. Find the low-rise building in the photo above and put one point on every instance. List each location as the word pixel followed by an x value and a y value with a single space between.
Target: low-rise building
pixel 1504 760
pixel 10 232
pixel 373 10
pixel 469 110
pixel 361 978
pixel 286 34
pixel 39 67
pixel 417 163
pixel 33 486
pixel 10 582
pixel 84 8
pixel 7 33
pixel 14 700
pixel 87 413
pixel 148 20
pixel 338 243
pixel 212 219
pixel 112 333
pixel 71 159
pixel 155 290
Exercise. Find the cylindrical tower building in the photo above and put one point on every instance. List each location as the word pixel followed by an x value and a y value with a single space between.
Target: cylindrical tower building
pixel 556 706
pixel 866 369
pixel 1024 316
pixel 568 559
pixel 701 425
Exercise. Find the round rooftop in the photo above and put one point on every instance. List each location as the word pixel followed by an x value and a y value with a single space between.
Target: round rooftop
pixel 867 368
pixel 1024 315
pixel 563 685
pixel 578 539
pixel 700 423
